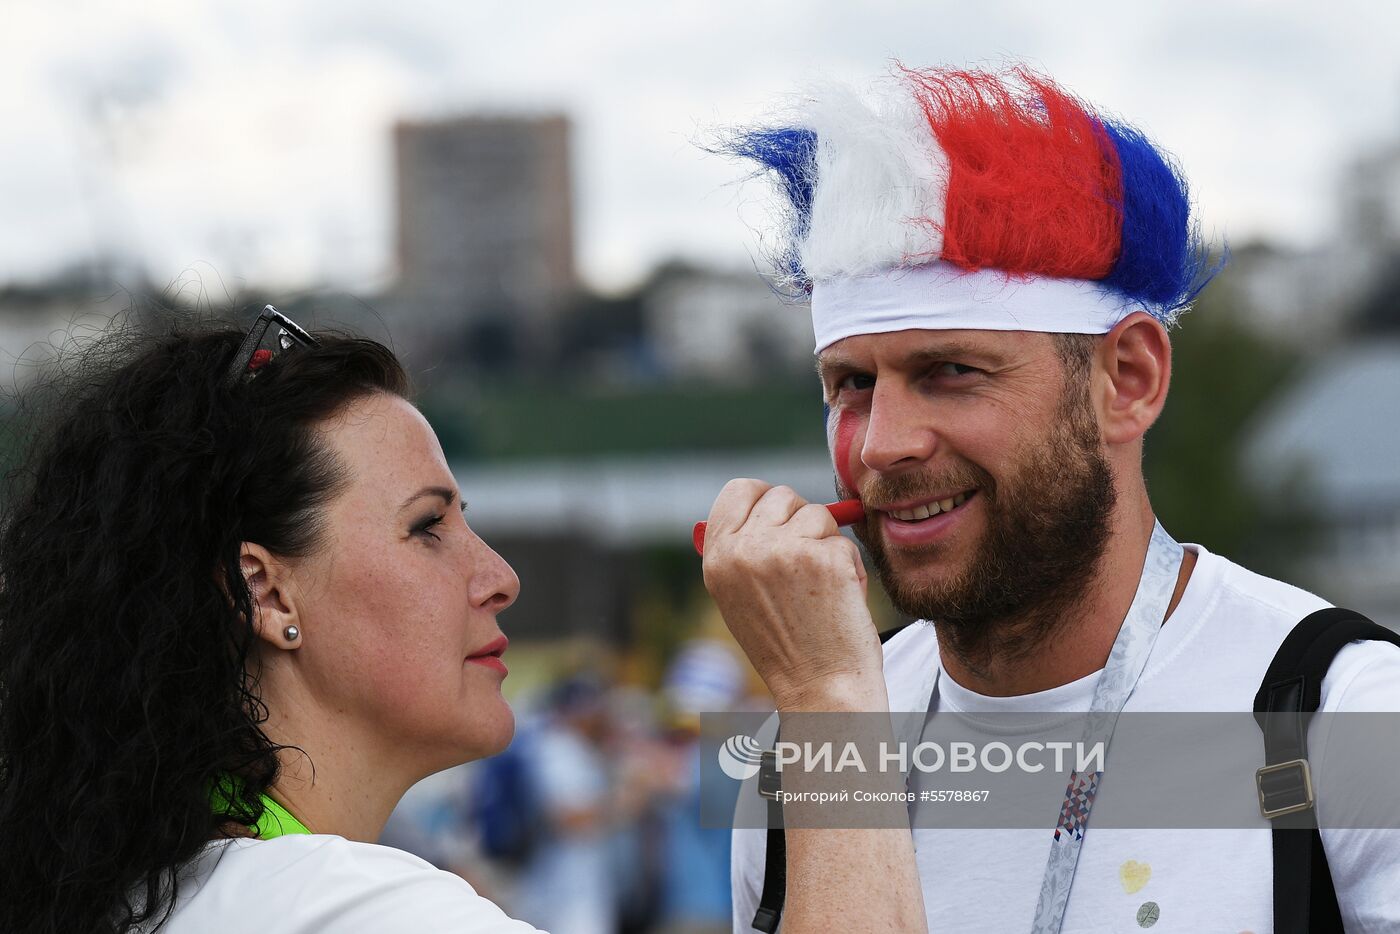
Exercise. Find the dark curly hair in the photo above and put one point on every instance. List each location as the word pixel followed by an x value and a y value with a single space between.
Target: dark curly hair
pixel 125 624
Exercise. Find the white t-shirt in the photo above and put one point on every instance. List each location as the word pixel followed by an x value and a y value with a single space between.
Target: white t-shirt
pixel 1210 656
pixel 326 884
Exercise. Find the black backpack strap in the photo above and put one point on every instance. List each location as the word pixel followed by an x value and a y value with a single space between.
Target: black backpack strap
pixel 1305 899
pixel 770 902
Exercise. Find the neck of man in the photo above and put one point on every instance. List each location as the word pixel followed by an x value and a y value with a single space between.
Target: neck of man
pixel 1075 634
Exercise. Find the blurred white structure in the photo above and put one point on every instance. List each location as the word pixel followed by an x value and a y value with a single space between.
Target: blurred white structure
pixel 726 325
pixel 1332 443
pixel 1306 297
pixel 36 323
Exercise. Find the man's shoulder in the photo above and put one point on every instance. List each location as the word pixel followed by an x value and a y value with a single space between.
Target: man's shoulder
pixel 1226 630
pixel 1275 601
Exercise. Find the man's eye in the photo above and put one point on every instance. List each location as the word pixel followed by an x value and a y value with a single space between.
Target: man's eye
pixel 953 369
pixel 856 382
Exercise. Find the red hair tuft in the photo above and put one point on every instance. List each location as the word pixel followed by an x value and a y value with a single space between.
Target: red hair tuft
pixel 1034 185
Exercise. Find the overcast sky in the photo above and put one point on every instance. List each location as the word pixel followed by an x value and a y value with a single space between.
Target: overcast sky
pixel 248 139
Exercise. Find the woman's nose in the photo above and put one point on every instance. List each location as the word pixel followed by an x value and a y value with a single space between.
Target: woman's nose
pixel 495 583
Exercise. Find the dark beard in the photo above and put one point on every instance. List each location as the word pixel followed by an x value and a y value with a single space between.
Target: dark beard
pixel 1047 531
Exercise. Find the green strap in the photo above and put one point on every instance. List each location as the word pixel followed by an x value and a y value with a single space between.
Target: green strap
pixel 276 821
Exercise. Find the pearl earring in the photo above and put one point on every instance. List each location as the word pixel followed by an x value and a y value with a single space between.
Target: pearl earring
pixel 291 633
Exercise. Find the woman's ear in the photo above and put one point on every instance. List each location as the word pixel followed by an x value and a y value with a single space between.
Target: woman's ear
pixel 275 618
pixel 1136 358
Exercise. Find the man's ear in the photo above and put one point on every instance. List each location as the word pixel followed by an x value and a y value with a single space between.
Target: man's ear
pixel 275 617
pixel 1136 361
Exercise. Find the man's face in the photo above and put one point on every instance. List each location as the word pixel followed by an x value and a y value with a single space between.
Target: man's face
pixel 980 462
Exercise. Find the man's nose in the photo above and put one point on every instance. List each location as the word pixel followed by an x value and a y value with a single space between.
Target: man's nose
pixel 900 431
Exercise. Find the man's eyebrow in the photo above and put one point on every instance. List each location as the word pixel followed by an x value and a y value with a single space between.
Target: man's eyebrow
pixel 448 495
pixel 835 364
pixel 950 351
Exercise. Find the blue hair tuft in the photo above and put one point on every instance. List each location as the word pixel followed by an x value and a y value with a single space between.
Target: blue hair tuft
pixel 791 154
pixel 1162 262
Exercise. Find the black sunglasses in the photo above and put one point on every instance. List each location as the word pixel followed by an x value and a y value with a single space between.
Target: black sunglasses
pixel 270 335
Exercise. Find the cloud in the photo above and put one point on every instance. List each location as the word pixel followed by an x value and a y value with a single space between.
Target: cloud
pixel 254 135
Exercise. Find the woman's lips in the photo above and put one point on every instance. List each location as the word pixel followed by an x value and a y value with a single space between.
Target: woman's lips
pixel 490 661
pixel 490 656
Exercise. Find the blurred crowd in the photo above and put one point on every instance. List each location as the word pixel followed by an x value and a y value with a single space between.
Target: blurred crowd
pixel 590 822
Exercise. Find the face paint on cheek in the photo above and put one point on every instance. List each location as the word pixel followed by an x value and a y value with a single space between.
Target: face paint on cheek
pixel 842 439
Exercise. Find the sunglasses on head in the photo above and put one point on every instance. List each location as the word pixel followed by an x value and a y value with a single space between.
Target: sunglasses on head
pixel 272 333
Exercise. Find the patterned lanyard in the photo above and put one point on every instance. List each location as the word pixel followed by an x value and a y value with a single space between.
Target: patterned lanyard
pixel 1120 675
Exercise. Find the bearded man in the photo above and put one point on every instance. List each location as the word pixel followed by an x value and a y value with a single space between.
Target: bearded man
pixel 993 268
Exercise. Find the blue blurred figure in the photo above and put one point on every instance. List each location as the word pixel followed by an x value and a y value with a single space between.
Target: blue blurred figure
pixel 568 883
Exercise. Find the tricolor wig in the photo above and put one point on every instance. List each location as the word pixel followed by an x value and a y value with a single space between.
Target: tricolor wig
pixel 972 170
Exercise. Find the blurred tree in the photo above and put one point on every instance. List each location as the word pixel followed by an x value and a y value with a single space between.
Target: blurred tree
pixel 518 420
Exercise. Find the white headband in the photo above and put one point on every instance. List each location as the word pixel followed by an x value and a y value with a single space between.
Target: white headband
pixel 941 296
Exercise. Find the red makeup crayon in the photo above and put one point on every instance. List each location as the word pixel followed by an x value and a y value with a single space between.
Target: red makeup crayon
pixel 846 512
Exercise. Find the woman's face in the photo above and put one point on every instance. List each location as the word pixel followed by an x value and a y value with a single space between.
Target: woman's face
pixel 398 607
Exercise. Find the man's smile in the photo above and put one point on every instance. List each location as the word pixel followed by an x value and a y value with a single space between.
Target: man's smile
pixel 925 521
pixel 929 506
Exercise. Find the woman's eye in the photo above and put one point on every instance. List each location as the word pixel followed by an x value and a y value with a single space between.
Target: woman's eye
pixel 425 527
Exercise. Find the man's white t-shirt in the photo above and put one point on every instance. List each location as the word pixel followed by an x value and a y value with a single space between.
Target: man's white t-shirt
pixel 1210 656
pixel 325 884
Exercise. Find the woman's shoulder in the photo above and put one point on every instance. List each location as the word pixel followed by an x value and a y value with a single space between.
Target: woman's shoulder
pixel 325 883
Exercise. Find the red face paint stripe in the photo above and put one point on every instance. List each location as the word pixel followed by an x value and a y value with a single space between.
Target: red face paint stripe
pixel 841 450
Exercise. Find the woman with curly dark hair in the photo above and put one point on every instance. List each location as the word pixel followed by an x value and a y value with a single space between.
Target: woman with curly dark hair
pixel 237 587
pixel 241 613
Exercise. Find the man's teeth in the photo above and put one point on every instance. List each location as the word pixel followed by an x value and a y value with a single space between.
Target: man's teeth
pixel 930 509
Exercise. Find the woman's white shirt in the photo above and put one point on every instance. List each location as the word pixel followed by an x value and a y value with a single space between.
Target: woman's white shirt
pixel 326 884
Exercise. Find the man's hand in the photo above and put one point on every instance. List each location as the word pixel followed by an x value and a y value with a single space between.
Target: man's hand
pixel 792 590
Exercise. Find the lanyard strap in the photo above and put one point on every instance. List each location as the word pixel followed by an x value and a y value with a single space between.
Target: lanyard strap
pixel 1126 661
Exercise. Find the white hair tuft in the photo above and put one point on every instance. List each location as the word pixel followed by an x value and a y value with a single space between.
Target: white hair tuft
pixel 881 181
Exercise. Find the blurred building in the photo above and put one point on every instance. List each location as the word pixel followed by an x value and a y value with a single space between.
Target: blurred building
pixel 724 325
pixel 1303 298
pixel 1329 443
pixel 1371 199
pixel 1317 295
pixel 485 233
